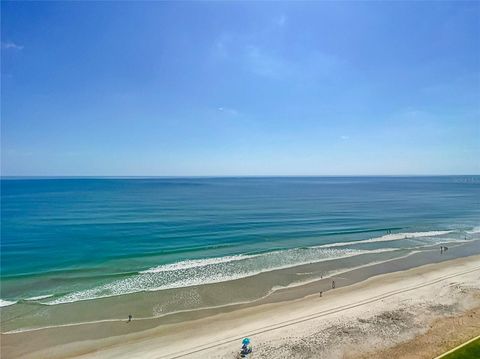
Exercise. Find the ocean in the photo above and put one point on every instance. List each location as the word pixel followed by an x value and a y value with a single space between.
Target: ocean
pixel 79 239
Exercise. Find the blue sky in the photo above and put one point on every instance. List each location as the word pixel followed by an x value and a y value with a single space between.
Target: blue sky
pixel 246 88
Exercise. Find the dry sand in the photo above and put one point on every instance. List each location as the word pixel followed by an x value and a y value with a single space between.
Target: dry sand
pixel 443 334
pixel 416 313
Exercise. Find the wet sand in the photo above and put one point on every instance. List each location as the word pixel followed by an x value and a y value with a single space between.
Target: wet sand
pixel 368 309
pixel 178 305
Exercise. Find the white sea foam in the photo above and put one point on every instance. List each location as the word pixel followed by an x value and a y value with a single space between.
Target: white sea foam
pixel 195 272
pixel 213 270
pixel 5 303
pixel 474 230
pixel 388 238
pixel 194 263
pixel 39 297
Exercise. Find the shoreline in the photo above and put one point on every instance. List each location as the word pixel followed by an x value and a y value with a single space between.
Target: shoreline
pixel 113 309
pixel 72 340
pixel 18 286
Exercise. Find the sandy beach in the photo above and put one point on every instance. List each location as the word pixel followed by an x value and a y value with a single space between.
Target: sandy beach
pixel 387 312
pixel 239 179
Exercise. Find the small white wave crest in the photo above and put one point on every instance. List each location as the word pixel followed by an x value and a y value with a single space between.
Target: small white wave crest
pixel 208 271
pixel 388 238
pixel 195 263
pixel 39 297
pixel 474 230
pixel 6 303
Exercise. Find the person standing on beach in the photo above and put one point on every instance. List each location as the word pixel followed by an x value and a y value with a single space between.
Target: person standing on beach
pixel 333 284
pixel 129 318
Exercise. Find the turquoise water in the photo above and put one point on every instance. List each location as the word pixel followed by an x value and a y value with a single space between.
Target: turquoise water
pixel 64 240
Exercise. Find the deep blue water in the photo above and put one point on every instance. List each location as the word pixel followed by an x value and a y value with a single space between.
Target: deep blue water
pixel 60 236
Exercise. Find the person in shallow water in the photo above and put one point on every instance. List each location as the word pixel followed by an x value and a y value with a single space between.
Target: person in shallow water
pixel 129 318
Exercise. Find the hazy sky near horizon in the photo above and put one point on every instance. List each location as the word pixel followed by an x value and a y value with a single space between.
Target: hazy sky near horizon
pixel 240 88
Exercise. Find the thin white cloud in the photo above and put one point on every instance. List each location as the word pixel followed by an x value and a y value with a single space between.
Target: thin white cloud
pixel 281 20
pixel 265 64
pixel 229 111
pixel 18 153
pixel 252 52
pixel 11 46
pixel 220 46
pixel 268 64
pixel 344 137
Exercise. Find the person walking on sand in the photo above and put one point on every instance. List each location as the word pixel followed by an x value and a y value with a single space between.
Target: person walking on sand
pixel 129 318
pixel 333 284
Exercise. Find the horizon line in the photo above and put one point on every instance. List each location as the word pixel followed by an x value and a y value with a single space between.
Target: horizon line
pixel 13 177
